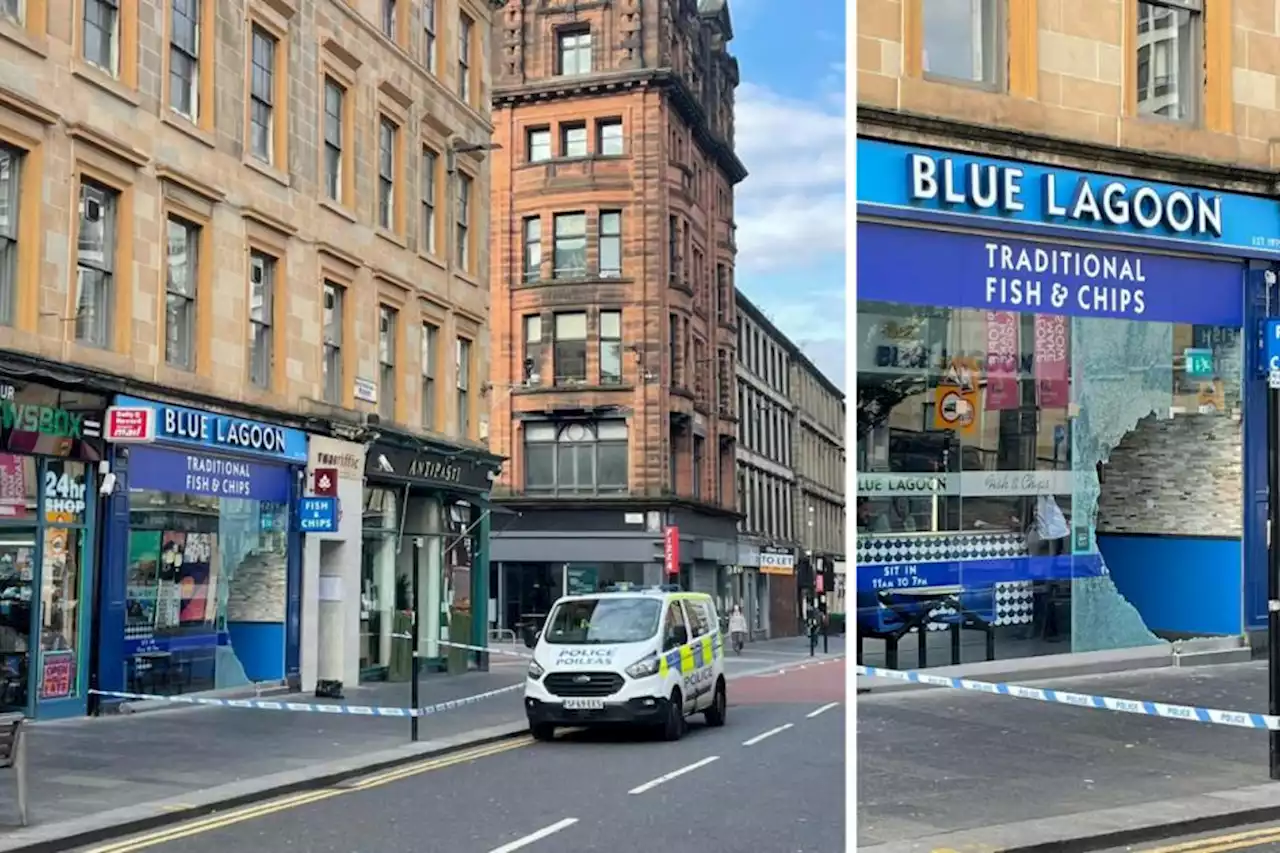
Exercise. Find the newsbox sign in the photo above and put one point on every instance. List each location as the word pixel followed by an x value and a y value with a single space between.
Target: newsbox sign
pixel 894 178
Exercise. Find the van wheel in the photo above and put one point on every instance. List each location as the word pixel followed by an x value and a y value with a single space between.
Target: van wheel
pixel 673 726
pixel 719 706
pixel 543 731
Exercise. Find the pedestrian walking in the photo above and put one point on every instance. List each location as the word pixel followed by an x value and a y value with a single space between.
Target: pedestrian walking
pixel 813 627
pixel 737 628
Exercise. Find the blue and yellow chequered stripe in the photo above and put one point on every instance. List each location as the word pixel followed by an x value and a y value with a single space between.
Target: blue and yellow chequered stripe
pixel 691 656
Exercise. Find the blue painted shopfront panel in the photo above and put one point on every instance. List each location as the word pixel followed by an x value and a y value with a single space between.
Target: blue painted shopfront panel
pixel 927 183
pixel 213 431
pixel 930 267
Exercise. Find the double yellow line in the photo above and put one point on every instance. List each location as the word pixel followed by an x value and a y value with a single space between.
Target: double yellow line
pixel 240 815
pixel 1224 843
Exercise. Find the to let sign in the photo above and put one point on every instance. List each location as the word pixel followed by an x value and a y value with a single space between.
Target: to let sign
pixel 131 424
pixel 318 515
pixel 671 550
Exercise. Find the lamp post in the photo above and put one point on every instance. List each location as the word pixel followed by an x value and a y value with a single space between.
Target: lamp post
pixel 455 148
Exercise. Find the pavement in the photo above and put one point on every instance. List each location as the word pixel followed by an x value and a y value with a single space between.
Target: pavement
pixel 94 778
pixel 939 767
pixel 772 779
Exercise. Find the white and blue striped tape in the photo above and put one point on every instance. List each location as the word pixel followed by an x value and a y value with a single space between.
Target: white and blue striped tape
pixel 313 707
pixel 1190 713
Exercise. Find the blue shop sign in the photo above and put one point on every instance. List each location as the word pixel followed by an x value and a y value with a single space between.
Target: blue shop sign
pixel 893 178
pixel 198 473
pixel 222 432
pixel 318 515
pixel 975 574
pixel 962 270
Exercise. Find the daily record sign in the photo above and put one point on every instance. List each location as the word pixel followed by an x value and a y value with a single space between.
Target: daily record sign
pixel 318 515
pixel 131 424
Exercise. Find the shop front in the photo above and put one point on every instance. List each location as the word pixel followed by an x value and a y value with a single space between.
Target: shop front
pixel 425 532
pixel 50 449
pixel 1056 399
pixel 781 592
pixel 331 561
pixel 202 574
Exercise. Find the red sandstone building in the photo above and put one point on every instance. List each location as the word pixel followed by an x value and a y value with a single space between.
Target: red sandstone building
pixel 613 323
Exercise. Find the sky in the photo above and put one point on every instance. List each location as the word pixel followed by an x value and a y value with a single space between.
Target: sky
pixel 790 127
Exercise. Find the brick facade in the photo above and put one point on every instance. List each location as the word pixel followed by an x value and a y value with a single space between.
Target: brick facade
pixel 69 119
pixel 676 165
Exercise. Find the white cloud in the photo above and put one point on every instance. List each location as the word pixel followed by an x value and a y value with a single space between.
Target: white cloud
pixel 791 206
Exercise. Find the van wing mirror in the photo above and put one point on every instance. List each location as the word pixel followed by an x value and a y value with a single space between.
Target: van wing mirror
pixel 530 636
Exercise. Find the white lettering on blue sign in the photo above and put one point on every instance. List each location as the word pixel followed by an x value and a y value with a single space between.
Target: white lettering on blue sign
pixel 216 429
pixel 1110 288
pixel 997 188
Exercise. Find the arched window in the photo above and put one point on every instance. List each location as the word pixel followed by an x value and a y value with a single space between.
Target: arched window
pixel 578 458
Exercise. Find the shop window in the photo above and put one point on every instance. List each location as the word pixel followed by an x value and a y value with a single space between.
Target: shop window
pixel 1035 461
pixel 962 40
pixel 576 458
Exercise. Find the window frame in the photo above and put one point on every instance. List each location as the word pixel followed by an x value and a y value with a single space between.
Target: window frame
pixel 531 248
pixel 193 233
pixel 270 271
pixel 388 200
pixel 573 127
pixel 558 360
pixel 115 63
pixel 464 207
pixel 332 352
pixel 558 272
pixel 530 147
pixel 614 240
pixel 466 35
pixel 994 62
pixel 611 347
pixel 11 237
pixel 558 431
pixel 202 86
pixel 576 50
pixel 1194 94
pixel 604 128
pixel 464 357
pixel 276 142
pixel 111 197
pixel 429 347
pixel 533 348
pixel 429 183
pixel 388 360
pixel 338 193
pixel 430 40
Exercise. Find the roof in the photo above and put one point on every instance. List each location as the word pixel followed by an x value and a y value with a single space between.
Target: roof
pixel 749 308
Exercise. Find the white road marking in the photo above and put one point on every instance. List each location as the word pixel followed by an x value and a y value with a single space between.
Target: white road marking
pixel 824 708
pixel 755 740
pixel 667 777
pixel 536 836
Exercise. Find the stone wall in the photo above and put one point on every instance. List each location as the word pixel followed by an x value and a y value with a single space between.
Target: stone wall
pixel 1180 475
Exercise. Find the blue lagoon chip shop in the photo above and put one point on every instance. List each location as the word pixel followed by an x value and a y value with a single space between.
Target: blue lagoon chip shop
pixel 201 584
pixel 1061 423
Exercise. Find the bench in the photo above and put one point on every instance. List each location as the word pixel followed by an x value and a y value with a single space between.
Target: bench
pixel 13 756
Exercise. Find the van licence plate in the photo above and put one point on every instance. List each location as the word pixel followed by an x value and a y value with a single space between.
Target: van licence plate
pixel 584 704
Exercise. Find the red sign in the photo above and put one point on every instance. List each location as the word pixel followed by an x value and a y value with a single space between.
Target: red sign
pixel 671 550
pixel 1051 366
pixel 131 424
pixel 1002 361
pixel 324 482
pixel 59 669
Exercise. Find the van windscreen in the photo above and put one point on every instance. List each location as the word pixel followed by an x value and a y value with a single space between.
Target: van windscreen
pixel 601 621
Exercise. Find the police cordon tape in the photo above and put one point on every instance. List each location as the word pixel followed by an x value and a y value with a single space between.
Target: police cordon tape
pixel 1190 713
pixel 313 707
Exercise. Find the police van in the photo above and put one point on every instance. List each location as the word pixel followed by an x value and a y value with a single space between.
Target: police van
pixel 627 656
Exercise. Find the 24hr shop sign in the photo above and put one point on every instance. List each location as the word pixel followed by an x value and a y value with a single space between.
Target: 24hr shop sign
pixel 947 268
